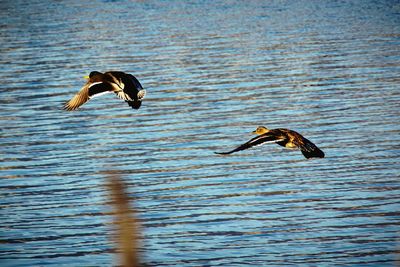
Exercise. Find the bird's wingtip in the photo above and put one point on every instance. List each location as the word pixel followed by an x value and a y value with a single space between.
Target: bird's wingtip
pixel 67 107
pixel 221 153
pixel 313 154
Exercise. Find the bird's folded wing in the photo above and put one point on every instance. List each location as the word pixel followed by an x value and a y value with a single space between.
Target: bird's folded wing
pixel 258 140
pixel 309 149
pixel 304 144
pixel 119 92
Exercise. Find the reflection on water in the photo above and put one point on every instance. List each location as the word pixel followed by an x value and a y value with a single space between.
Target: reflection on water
pixel 213 72
pixel 125 223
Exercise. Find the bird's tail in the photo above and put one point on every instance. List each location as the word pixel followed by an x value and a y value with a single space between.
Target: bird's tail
pixel 310 150
pixel 135 104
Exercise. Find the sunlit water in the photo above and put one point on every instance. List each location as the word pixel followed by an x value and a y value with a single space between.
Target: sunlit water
pixel 213 72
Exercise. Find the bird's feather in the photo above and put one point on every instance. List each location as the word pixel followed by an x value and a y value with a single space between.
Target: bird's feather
pixel 258 140
pixel 98 89
pixel 79 99
pixel 141 94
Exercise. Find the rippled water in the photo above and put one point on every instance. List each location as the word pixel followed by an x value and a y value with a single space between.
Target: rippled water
pixel 213 72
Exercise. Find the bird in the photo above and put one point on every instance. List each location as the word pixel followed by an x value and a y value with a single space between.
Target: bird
pixel 283 137
pixel 124 85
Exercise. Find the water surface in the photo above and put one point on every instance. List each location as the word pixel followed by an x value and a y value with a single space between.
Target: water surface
pixel 214 71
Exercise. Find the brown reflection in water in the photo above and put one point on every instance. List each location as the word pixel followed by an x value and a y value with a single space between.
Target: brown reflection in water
pixel 126 224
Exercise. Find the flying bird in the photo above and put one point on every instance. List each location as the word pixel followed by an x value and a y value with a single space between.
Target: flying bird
pixel 283 137
pixel 124 85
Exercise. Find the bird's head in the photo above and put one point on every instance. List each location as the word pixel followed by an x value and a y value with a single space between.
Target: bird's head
pixel 92 74
pixel 261 130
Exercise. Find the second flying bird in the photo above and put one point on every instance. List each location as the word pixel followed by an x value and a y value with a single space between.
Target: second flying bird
pixel 283 137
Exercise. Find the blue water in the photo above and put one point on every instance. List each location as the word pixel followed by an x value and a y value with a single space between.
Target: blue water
pixel 214 71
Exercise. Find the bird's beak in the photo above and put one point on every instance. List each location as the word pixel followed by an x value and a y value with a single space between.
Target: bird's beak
pixel 254 132
pixel 86 77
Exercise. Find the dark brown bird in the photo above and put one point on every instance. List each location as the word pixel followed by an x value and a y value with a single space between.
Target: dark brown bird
pixel 283 137
pixel 124 85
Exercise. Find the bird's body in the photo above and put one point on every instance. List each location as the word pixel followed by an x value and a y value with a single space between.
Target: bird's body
pixel 124 85
pixel 283 137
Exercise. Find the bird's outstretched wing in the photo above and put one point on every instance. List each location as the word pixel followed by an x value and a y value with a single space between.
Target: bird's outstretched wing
pixel 258 140
pixel 91 90
pixel 79 99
